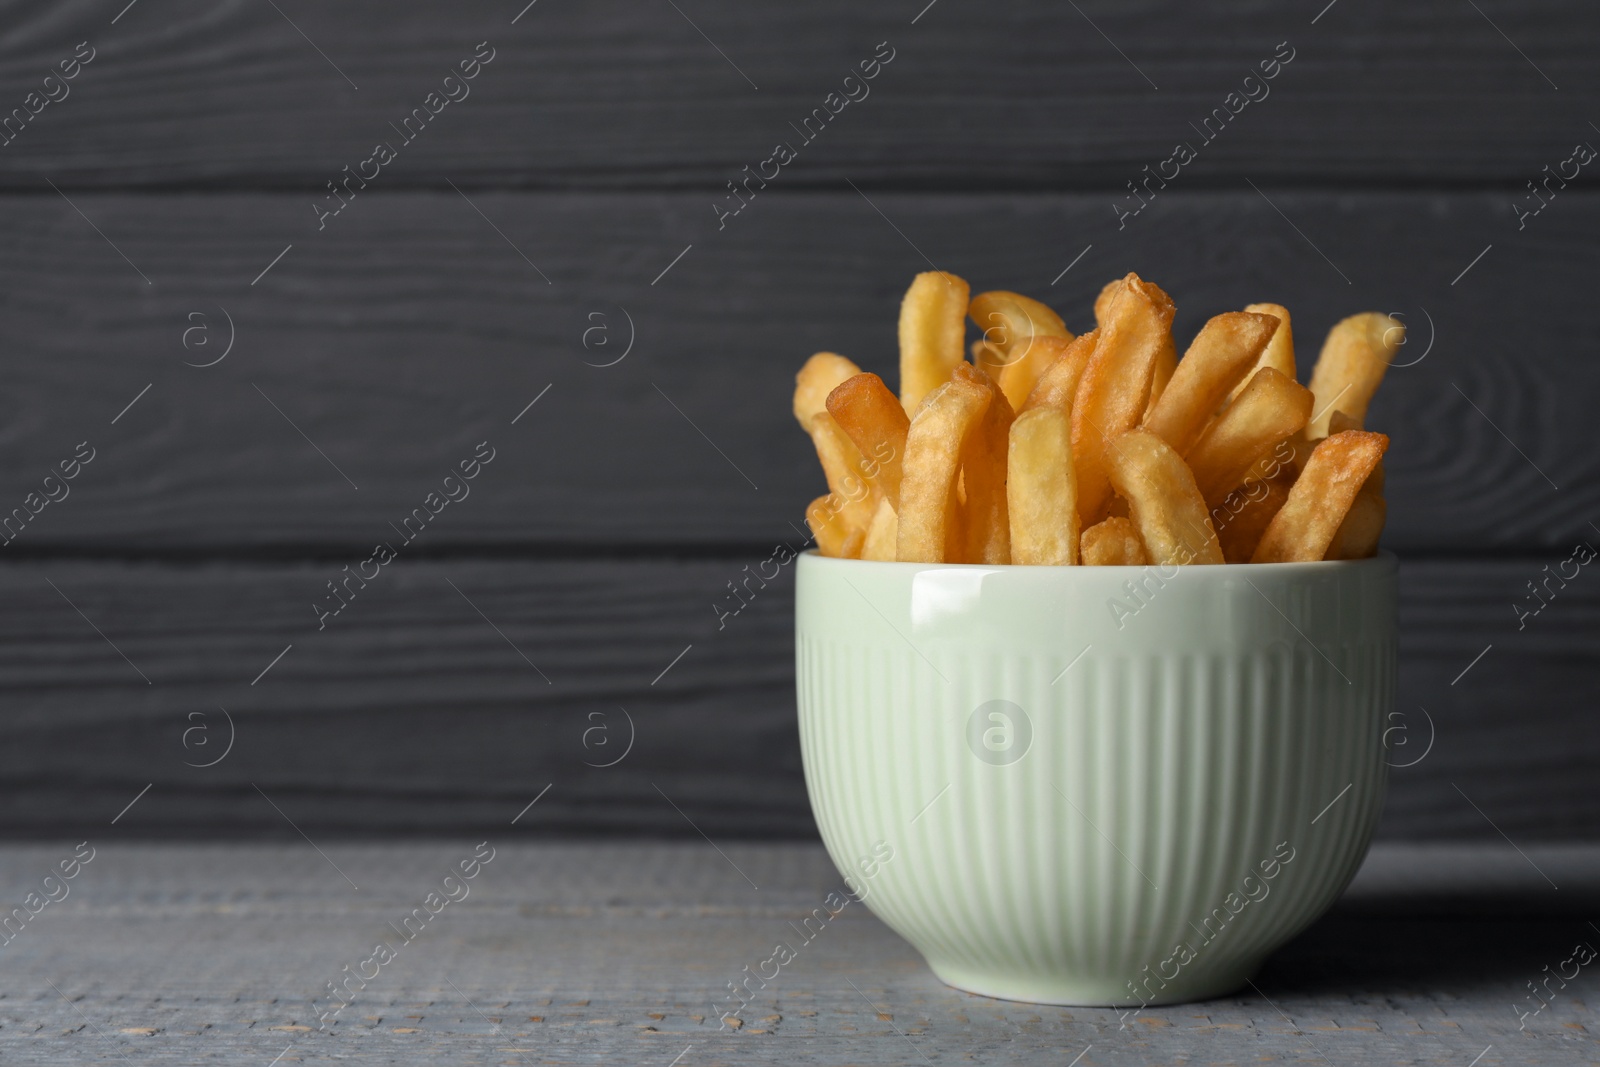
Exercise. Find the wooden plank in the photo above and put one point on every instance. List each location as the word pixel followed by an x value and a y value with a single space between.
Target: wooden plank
pixel 413 712
pixel 378 352
pixel 608 94
pixel 584 953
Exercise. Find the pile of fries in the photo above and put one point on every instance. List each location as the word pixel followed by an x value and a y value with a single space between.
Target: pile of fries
pixel 1105 448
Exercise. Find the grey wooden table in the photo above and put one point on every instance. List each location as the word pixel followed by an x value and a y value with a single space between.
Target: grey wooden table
pixel 613 953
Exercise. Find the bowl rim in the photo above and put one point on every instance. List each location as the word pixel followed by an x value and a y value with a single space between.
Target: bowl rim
pixel 1384 560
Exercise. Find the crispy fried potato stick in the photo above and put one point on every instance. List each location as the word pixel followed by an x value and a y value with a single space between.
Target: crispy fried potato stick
pixel 1166 360
pixel 1279 353
pixel 983 476
pixel 1163 501
pixel 873 419
pixel 1223 352
pixel 1339 422
pixel 1010 320
pixel 1354 357
pixel 1058 384
pixel 1011 324
pixel 1166 366
pixel 1113 543
pixel 845 469
pixel 1358 533
pixel 933 328
pixel 1103 300
pixel 1042 489
pixel 1017 379
pixel 882 534
pixel 1357 536
pixel 821 373
pixel 834 536
pixel 930 526
pixel 1243 515
pixel 1269 409
pixel 1115 388
pixel 987 358
pixel 1305 526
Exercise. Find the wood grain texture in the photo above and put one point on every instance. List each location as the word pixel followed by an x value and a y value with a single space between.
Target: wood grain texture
pixel 378 352
pixel 609 94
pixel 568 954
pixel 423 707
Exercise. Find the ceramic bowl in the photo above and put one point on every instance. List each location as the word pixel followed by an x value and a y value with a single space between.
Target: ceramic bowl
pixel 1095 785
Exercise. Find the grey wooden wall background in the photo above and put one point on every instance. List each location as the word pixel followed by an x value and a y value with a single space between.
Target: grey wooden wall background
pixel 562 214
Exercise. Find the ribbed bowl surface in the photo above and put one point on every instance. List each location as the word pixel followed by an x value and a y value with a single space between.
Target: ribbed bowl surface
pixel 1095 785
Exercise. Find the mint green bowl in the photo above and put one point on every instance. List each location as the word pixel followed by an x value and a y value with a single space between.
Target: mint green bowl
pixel 1095 785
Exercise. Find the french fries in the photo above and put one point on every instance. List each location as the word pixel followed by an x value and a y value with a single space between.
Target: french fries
pixel 821 373
pixel 931 530
pixel 834 535
pixel 1163 502
pixel 1269 409
pixel 1113 543
pixel 1358 534
pixel 1244 514
pixel 1279 353
pixel 1018 378
pixel 876 424
pixel 933 326
pixel 845 469
pixel 1058 384
pixel 983 475
pixel 1011 323
pixel 1354 357
pixel 1115 388
pixel 1166 366
pixel 882 535
pixel 1225 350
pixel 1317 504
pixel 1042 489
pixel 1102 449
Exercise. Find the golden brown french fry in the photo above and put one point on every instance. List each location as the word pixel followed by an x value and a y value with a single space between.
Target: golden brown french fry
pixel 930 526
pixel 1270 409
pixel 1224 350
pixel 1339 422
pixel 1305 526
pixel 1010 322
pixel 1163 501
pixel 1357 536
pixel 1042 489
pixel 1058 383
pixel 1353 360
pixel 987 358
pixel 873 419
pixel 1166 360
pixel 933 328
pixel 834 536
pixel 1115 388
pixel 1243 515
pixel 1358 533
pixel 1279 353
pixel 1018 377
pixel 983 476
pixel 1166 366
pixel 815 381
pixel 1102 301
pixel 1113 542
pixel 845 470
pixel 882 534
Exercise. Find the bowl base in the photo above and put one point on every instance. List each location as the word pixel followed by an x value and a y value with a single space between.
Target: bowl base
pixel 1089 992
